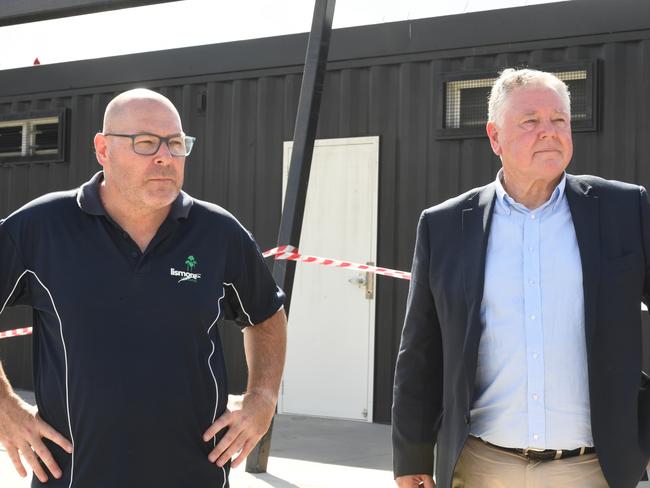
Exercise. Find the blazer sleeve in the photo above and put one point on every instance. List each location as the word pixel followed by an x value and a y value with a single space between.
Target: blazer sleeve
pixel 417 390
pixel 644 391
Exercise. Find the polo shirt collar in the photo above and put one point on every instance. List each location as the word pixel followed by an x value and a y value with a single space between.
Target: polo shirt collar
pixel 90 202
pixel 181 206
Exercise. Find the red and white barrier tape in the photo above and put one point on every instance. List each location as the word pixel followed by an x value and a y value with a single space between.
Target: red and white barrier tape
pixel 292 254
pixel 16 332
pixel 282 252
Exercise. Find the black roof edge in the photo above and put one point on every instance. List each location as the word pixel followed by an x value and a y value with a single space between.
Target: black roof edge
pixel 20 11
pixel 568 19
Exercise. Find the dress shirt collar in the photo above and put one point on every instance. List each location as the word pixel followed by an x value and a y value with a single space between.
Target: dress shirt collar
pixel 507 203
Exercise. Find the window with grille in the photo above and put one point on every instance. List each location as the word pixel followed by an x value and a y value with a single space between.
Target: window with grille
pixel 32 138
pixel 465 101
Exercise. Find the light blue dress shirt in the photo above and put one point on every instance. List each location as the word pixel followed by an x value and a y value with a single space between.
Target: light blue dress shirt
pixel 531 379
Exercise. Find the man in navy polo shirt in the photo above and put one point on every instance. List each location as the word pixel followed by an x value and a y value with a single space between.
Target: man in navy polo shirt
pixel 128 277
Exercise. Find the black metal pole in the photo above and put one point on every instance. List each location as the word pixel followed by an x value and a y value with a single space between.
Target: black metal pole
pixel 303 140
pixel 311 89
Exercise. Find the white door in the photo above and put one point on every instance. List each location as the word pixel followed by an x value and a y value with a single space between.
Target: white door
pixel 330 355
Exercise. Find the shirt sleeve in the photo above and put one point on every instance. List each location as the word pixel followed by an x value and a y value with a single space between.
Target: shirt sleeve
pixel 252 296
pixel 13 286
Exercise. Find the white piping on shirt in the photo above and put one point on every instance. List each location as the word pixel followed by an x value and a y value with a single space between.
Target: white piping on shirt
pixel 214 378
pixel 240 303
pixel 65 357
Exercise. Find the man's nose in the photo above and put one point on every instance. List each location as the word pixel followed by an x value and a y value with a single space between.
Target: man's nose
pixel 164 155
pixel 547 129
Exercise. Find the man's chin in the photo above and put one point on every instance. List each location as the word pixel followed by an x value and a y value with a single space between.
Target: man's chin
pixel 553 164
pixel 161 199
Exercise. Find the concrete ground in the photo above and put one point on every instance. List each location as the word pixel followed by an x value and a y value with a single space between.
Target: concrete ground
pixel 320 453
pixel 305 453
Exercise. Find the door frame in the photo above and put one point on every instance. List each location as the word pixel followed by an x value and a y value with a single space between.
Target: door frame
pixel 375 141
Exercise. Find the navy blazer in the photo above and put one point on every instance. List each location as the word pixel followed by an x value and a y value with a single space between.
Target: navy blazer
pixel 436 365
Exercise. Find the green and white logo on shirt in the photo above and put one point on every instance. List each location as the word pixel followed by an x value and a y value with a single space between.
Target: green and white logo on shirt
pixel 188 274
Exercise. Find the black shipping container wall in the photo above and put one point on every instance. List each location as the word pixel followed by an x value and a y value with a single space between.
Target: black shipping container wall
pixel 240 100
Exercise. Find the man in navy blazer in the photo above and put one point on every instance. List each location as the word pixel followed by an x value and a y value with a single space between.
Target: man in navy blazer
pixel 521 353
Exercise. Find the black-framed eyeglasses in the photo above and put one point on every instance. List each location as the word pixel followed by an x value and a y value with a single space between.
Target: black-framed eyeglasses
pixel 147 144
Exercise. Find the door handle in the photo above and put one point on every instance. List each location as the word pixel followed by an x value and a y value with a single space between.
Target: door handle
pixel 358 280
pixel 370 283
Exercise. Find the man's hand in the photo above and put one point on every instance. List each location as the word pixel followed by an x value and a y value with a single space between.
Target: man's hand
pixel 247 419
pixel 415 480
pixel 22 432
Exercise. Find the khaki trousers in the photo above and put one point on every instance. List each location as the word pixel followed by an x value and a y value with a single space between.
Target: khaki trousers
pixel 483 466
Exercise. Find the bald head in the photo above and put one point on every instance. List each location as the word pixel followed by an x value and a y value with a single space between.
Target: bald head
pixel 137 104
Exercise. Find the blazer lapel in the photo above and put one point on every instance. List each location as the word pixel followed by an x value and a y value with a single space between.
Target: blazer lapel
pixel 476 219
pixel 584 208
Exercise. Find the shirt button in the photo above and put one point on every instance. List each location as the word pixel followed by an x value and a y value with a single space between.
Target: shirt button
pixel 532 317
pixel 134 254
pixel 535 397
pixel 532 282
pixel 531 249
pixel 535 355
pixel 532 217
pixel 535 436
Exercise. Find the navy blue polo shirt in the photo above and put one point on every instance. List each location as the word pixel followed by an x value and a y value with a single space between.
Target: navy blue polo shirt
pixel 128 363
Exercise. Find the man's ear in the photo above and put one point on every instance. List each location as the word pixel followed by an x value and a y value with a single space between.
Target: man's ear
pixel 493 134
pixel 101 148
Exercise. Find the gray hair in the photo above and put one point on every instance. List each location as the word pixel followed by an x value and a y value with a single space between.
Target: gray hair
pixel 511 79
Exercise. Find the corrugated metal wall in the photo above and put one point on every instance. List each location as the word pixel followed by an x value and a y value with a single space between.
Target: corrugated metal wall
pixel 241 121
